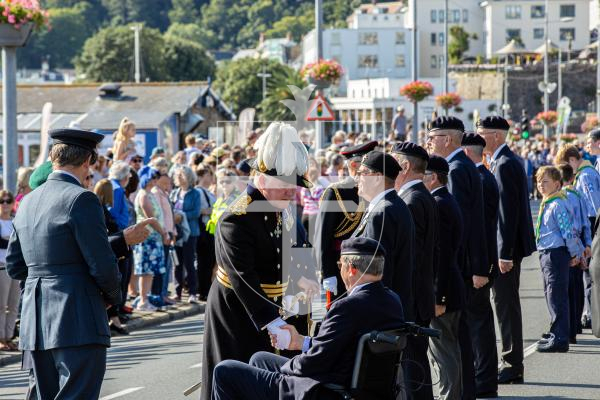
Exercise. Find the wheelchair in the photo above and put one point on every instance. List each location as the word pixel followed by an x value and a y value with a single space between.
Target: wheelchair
pixel 377 373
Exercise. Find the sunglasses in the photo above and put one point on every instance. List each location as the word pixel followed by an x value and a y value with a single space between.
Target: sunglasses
pixel 87 178
pixel 6 201
pixel 136 160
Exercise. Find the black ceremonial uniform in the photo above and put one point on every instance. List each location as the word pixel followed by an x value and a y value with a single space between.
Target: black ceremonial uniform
pixel 340 212
pixel 250 284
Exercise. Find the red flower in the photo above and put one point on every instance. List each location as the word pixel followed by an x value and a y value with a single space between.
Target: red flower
pixel 416 91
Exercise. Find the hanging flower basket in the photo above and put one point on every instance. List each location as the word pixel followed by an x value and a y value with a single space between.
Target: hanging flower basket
pixel 448 100
pixel 548 118
pixel 590 123
pixel 416 91
pixel 17 19
pixel 568 137
pixel 322 73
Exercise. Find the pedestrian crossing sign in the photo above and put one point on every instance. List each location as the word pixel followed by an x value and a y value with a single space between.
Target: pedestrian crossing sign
pixel 320 110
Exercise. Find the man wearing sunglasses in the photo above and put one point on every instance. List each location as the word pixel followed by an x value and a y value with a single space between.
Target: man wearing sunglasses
pixel 60 249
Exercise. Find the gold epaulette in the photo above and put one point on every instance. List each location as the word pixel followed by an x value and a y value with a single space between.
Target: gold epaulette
pixel 239 206
pixel 272 290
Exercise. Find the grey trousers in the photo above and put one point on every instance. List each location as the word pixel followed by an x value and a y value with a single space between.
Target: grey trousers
pixel 444 356
pixel 69 373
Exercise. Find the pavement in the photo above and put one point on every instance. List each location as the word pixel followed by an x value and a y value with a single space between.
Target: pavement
pixel 139 320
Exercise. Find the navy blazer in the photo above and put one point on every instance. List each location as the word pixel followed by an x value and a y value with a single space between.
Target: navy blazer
pixel 449 284
pixel 491 197
pixel 515 225
pixel 330 358
pixel 425 218
pixel 464 182
pixel 391 224
pixel 60 248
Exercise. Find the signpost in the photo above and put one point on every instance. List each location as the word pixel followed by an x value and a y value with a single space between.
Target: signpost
pixel 320 110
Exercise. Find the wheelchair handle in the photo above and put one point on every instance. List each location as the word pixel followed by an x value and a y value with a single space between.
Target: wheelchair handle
pixel 383 337
pixel 413 329
pixel 429 332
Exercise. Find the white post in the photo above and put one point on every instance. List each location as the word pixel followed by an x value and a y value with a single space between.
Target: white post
pixel 318 30
pixel 136 50
pixel 10 142
pixel 546 94
pixel 559 77
pixel 414 73
pixel 446 49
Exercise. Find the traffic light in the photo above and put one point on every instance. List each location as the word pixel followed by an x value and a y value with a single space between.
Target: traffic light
pixel 524 127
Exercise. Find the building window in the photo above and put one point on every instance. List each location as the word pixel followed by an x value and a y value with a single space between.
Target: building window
pixel 567 11
pixel 368 38
pixel 368 61
pixel 538 12
pixel 567 34
pixel 456 16
pixel 465 16
pixel 441 39
pixel 433 16
pixel 400 61
pixel 433 39
pixel 441 63
pixel 433 61
pixel 538 33
pixel 335 38
pixel 440 16
pixel 400 38
pixel 513 34
pixel 513 12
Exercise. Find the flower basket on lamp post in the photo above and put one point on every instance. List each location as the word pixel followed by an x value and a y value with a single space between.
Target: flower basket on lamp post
pixel 13 37
pixel 415 92
pixel 548 118
pixel 322 73
pixel 448 101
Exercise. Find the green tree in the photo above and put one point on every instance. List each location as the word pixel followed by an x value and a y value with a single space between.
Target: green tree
pixel 153 13
pixel 225 18
pixel 193 33
pixel 238 84
pixel 271 108
pixel 296 26
pixel 108 55
pixel 95 13
pixel 335 12
pixel 62 42
pixel 186 11
pixel 459 43
pixel 186 60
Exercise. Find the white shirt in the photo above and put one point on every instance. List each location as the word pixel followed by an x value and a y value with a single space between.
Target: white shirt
pixel 6 229
pixel 355 288
pixel 408 185
pixel 437 189
pixel 478 164
pixel 455 152
pixel 68 173
pixel 377 198
pixel 495 155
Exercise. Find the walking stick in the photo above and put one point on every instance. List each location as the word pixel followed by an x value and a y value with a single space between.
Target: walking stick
pixel 192 389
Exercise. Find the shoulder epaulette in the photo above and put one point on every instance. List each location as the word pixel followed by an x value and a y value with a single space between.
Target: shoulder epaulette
pixel 239 206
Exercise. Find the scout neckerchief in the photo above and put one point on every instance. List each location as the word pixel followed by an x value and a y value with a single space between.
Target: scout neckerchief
pixel 584 164
pixel 558 195
pixel 570 189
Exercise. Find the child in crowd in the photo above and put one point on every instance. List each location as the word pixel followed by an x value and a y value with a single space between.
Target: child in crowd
pixel 559 249
pixel 581 226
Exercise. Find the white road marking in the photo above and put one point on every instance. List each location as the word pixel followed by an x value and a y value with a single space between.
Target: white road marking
pixel 199 365
pixel 529 350
pixel 121 393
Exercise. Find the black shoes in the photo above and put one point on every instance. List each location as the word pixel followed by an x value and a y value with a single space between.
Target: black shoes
pixel 487 395
pixel 118 329
pixel 552 347
pixel 586 322
pixel 510 375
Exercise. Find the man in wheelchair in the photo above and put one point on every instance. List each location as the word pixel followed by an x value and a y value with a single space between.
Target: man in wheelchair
pixel 329 357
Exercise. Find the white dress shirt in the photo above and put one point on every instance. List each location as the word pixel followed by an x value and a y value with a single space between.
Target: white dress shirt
pixel 408 185
pixel 455 152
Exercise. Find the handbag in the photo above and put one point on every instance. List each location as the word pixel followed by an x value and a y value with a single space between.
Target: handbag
pixel 173 256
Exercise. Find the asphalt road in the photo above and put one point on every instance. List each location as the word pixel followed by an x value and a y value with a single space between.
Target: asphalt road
pixel 159 363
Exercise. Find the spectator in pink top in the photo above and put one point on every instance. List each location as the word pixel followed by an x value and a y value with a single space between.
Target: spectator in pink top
pixel 310 202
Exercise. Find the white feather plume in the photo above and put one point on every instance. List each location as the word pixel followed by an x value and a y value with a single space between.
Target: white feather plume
pixel 280 148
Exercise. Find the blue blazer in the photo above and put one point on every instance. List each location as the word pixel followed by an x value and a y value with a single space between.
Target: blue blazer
pixel 464 183
pixel 191 208
pixel 60 248
pixel 515 228
pixel 330 359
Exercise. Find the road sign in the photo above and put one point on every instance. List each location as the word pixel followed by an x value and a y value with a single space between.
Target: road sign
pixel 320 110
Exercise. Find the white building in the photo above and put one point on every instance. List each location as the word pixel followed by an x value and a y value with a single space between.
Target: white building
pixel 569 20
pixel 375 45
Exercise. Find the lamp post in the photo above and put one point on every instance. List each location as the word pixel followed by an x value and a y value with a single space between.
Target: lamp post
pixel 414 73
pixel 318 30
pixel 546 94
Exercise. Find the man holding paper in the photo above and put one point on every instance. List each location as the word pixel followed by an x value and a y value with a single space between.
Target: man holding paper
pixel 259 249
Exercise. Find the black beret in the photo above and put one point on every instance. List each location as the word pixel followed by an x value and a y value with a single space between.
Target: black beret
pixel 382 163
pixel 411 149
pixel 594 134
pixel 446 123
pixel 359 150
pixel 77 137
pixel 362 246
pixel 494 122
pixel 473 139
pixel 244 166
pixel 438 164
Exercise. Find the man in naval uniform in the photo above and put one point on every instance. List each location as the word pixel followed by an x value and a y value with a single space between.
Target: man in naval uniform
pixel 63 318
pixel 340 212
pixel 256 265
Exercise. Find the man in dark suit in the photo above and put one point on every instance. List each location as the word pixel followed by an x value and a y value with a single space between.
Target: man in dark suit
pixel 448 283
pixel 479 310
pixel 413 161
pixel 63 318
pixel 515 241
pixel 388 221
pixel 464 183
pixel 340 212
pixel 329 356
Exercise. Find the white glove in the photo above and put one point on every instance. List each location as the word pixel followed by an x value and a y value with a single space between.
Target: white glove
pixel 330 284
